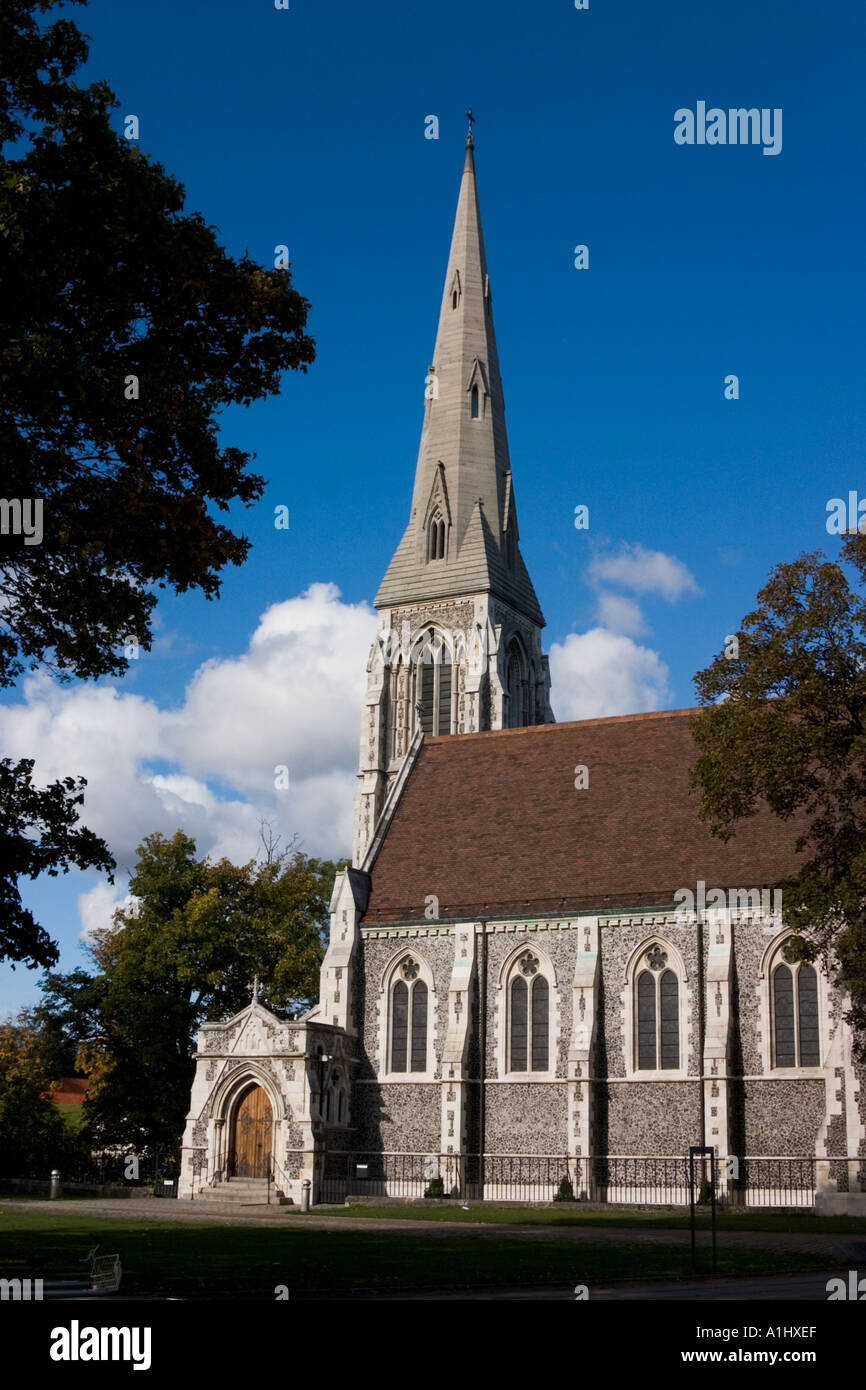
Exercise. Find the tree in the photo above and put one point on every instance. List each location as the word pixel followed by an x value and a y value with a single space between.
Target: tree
pixel 38 834
pixel 125 329
pixel 784 723
pixel 185 953
pixel 33 1137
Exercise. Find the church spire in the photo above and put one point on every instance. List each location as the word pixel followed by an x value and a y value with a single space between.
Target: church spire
pixel 459 643
pixel 463 473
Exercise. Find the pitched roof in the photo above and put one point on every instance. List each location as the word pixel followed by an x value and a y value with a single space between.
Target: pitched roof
pixel 71 1090
pixel 493 825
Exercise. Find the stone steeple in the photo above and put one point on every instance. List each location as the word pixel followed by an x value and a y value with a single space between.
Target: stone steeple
pixel 459 644
pixel 463 467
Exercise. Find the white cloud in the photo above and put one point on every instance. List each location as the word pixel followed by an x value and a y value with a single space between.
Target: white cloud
pixel 96 908
pixel 293 698
pixel 620 614
pixel 644 572
pixel 598 673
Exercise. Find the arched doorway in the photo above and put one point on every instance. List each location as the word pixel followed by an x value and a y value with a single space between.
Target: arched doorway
pixel 252 1135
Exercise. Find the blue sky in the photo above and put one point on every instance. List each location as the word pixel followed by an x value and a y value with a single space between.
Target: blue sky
pixel 306 127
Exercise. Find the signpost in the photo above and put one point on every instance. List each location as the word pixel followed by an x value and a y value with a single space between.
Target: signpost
pixel 702 1152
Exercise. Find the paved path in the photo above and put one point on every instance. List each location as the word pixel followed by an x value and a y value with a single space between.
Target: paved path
pixel 799 1288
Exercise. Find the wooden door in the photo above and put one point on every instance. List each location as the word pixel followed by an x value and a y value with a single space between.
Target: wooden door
pixel 251 1135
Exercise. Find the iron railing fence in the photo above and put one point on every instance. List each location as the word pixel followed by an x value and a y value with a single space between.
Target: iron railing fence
pixel 640 1180
pixel 157 1168
pixel 773 1182
pixel 340 1174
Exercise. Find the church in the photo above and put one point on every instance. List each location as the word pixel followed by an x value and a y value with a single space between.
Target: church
pixel 514 1003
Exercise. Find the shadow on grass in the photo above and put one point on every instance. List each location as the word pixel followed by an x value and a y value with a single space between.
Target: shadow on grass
pixel 237 1261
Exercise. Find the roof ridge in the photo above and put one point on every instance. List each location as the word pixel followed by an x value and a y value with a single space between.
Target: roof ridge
pixel 568 724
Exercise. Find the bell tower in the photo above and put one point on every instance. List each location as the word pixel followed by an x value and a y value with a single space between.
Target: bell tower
pixel 459 643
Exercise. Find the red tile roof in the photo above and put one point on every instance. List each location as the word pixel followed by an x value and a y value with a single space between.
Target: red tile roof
pixel 71 1090
pixel 493 825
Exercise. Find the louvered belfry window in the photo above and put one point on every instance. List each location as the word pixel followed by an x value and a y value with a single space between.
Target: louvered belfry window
pixel 443 710
pixel 529 1018
pixel 796 1034
pixel 428 683
pixel 409 1020
pixel 433 685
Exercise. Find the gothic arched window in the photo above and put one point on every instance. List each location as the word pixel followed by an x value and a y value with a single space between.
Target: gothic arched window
pixel 408 1019
pixel 794 996
pixel 474 402
pixel 657 1010
pixel 528 1029
pixel 335 1102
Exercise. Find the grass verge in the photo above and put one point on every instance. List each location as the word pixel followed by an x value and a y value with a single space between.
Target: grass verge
pixel 782 1222
pixel 250 1261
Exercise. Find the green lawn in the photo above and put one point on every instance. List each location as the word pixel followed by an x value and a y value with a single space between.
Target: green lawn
pixel 238 1261
pixel 577 1216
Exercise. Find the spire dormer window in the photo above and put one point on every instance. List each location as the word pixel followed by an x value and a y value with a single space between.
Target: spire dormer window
pixel 455 290
pixel 436 537
pixel 478 390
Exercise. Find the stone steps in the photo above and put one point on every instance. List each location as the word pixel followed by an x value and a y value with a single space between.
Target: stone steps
pixel 239 1191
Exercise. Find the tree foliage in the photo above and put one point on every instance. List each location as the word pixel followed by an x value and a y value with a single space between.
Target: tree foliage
pixel 185 953
pixel 33 1137
pixel 105 277
pixel 783 722
pixel 39 833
